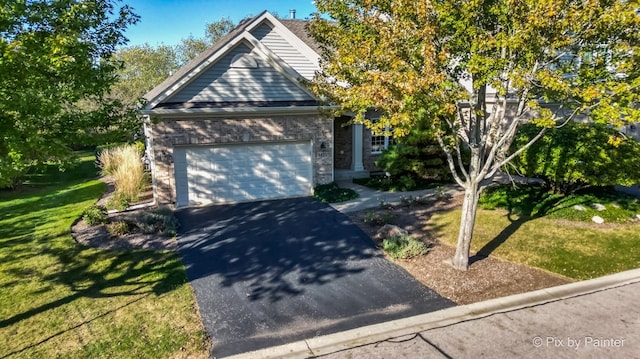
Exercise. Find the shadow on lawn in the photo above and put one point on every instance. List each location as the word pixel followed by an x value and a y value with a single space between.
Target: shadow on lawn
pixel 18 351
pixel 39 234
pixel 548 206
pixel 19 238
pixel 134 272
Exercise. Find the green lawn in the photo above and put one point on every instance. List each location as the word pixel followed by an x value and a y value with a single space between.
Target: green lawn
pixel 58 299
pixel 579 250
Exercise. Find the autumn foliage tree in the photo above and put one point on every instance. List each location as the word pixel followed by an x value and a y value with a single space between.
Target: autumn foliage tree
pixel 477 70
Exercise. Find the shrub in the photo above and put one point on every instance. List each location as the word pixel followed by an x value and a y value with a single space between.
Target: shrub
pixel 332 193
pixel 578 155
pixel 108 159
pixel 417 200
pixel 118 201
pixel 140 146
pixel 12 168
pixel 130 177
pixel 95 215
pixel 407 182
pixel 382 183
pixel 404 247
pixel 159 220
pixel 395 183
pixel 378 218
pixel 118 228
pixel 415 160
pixel 441 194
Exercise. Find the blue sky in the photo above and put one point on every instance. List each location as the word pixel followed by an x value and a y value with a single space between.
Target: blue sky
pixel 168 21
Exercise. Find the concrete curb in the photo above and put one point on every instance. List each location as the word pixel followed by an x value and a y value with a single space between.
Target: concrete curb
pixel 397 328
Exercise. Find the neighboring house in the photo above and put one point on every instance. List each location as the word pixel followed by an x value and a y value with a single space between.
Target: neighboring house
pixel 236 124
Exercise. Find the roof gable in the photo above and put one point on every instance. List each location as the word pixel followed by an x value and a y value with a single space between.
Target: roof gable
pixel 242 75
pixel 288 47
pixel 281 58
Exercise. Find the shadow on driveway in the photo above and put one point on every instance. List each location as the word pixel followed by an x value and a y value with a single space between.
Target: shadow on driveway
pixel 272 272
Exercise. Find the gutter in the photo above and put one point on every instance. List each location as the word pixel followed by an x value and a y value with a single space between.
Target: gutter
pixel 236 111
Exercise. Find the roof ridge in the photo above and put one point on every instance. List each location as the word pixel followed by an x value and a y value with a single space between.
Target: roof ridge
pixel 196 61
pixel 293 25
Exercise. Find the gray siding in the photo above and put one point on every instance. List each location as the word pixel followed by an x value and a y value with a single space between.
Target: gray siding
pixel 287 52
pixel 220 83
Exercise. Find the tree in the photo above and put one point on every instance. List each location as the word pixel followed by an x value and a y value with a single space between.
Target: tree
pixel 477 70
pixel 55 54
pixel 144 67
pixel 578 155
pixel 217 29
pixel 190 47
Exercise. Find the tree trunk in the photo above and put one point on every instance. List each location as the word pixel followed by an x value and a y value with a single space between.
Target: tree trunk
pixel 469 207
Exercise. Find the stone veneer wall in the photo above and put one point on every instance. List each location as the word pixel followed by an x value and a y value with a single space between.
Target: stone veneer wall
pixel 170 132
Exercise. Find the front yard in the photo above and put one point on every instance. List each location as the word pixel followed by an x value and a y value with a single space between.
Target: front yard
pixel 511 253
pixel 59 299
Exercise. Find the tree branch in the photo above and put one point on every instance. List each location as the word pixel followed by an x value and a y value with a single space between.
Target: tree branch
pixel 458 152
pixel 450 160
pixel 496 167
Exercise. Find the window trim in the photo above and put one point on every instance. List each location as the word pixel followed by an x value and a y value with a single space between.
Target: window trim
pixel 386 142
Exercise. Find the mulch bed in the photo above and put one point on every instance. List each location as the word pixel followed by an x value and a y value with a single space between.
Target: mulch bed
pixel 487 278
pixel 99 237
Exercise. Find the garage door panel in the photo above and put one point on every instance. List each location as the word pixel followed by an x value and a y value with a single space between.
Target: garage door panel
pixel 268 174
pixel 238 173
pixel 195 158
pixel 286 165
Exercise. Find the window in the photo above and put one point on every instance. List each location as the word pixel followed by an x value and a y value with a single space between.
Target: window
pixel 380 142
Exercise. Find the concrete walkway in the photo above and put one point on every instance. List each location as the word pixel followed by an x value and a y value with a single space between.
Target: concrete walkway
pixel 597 318
pixel 370 198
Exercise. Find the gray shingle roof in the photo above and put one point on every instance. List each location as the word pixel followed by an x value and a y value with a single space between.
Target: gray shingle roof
pixel 301 30
pixel 297 27
pixel 186 69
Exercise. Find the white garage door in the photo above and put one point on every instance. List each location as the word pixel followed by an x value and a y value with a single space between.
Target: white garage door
pixel 241 173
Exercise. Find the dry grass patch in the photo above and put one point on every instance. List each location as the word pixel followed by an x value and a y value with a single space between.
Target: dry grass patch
pixel 124 165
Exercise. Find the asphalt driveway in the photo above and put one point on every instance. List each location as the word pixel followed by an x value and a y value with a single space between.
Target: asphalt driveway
pixel 272 272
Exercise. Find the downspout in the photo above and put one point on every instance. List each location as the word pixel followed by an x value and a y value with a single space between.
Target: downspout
pixel 146 122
